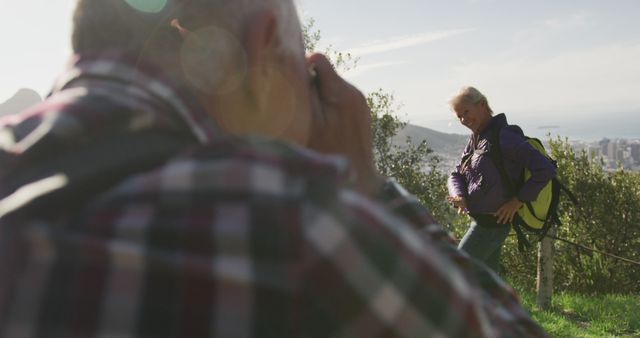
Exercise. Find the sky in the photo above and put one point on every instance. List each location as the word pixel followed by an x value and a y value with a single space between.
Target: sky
pixel 570 64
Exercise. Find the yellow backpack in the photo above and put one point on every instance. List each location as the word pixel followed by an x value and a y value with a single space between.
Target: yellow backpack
pixel 536 214
pixel 539 215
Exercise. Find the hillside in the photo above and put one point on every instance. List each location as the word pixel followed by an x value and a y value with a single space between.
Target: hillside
pixel 447 146
pixel 23 99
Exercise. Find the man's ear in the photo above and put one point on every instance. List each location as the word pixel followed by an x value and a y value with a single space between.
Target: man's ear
pixel 261 41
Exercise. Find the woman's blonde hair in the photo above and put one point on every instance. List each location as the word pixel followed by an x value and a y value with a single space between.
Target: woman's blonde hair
pixel 469 95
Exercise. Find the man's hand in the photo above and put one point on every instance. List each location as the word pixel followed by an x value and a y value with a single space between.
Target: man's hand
pixel 458 202
pixel 342 124
pixel 508 210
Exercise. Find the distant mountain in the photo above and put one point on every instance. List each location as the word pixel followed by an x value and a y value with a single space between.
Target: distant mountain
pixel 448 147
pixel 23 99
pixel 439 142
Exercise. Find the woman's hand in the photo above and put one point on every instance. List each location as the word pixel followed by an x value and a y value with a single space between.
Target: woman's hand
pixel 458 202
pixel 342 124
pixel 508 210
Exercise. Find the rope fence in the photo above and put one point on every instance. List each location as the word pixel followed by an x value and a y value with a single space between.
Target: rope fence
pixel 595 250
pixel 580 246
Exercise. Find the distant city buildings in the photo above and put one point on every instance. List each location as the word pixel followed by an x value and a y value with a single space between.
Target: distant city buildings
pixel 614 153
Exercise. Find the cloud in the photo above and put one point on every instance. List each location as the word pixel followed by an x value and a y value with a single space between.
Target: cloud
pixel 364 68
pixel 405 42
pixel 574 20
pixel 553 28
pixel 601 78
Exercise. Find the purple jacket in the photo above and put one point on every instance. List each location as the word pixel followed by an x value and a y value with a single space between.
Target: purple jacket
pixel 480 183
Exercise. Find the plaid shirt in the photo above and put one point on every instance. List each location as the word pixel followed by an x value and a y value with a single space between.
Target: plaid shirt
pixel 124 213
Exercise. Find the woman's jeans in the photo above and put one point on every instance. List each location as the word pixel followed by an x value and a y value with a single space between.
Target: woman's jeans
pixel 484 242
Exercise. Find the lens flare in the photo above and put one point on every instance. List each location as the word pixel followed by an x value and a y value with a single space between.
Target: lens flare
pixel 148 6
pixel 213 60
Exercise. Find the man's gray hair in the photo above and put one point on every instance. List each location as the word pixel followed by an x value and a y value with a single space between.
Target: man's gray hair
pixel 135 25
pixel 211 57
pixel 233 14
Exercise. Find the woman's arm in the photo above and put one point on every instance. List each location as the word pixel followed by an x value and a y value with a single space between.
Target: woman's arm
pixel 457 184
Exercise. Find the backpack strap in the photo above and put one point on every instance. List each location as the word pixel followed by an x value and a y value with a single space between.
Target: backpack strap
pixel 556 187
pixel 566 190
pixel 552 214
pixel 523 242
pixel 495 153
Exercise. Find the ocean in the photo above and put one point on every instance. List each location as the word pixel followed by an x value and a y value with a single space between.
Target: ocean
pixel 592 127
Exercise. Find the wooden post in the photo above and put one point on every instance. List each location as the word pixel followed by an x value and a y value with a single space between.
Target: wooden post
pixel 545 272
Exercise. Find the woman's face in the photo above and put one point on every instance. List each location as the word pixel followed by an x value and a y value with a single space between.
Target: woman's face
pixel 475 116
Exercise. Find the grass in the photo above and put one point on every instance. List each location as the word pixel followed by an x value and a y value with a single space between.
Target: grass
pixel 587 316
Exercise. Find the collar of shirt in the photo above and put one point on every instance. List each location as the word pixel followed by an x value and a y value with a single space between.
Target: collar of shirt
pixel 122 68
pixel 496 121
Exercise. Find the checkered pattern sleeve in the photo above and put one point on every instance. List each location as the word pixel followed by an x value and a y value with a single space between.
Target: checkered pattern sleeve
pixel 230 241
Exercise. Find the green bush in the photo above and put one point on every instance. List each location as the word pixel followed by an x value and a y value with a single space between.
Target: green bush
pixel 607 219
pixel 413 165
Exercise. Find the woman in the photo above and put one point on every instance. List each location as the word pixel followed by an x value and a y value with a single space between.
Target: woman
pixel 478 187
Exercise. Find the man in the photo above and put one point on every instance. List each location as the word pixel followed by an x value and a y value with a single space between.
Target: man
pixel 167 188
